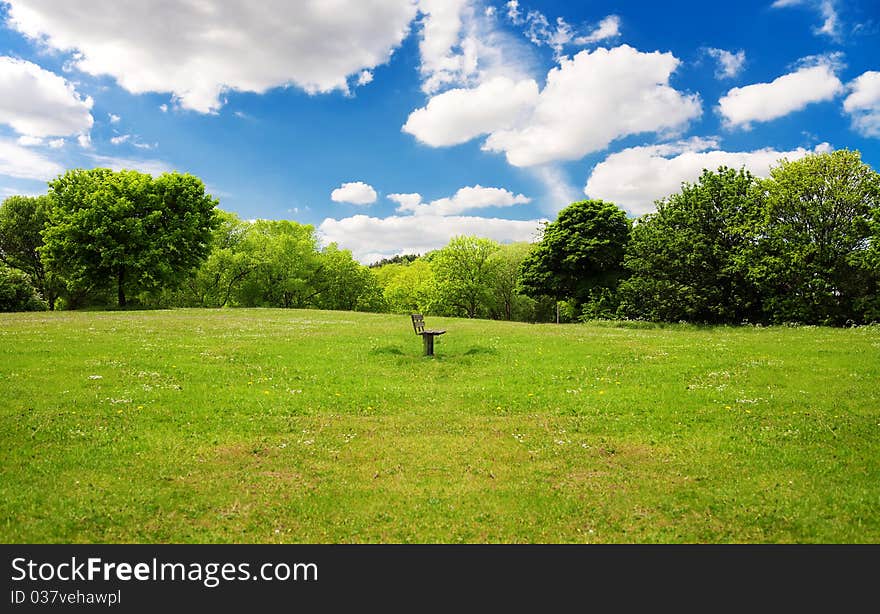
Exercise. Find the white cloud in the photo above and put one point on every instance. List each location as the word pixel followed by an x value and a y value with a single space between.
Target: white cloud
pixel 36 102
pixel 151 167
pixel 441 27
pixel 513 11
pixel 114 119
pixel 29 141
pixel 355 192
pixel 163 107
pixel 56 143
pixel 863 103
pixel 371 238
pixel 212 46
pixel 19 161
pixel 408 200
pixel 607 28
pixel 460 46
pixel 119 140
pixel 792 92
pixel 594 98
pixel 85 141
pixel 539 31
pixel 730 64
pixel 458 115
pixel 827 9
pixel 465 199
pixel 635 177
pixel 364 77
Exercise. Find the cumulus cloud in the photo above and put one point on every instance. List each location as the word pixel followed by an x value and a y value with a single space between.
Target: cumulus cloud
pixel 355 193
pixel 441 22
pixel 827 9
pixel 458 115
pixel 635 177
pixel 113 118
pixel 558 36
pixel 212 46
pixel 863 103
pixel 408 200
pixel 38 103
pixel 371 238
pixel 594 98
pixel 607 28
pixel 730 63
pixel 23 163
pixel 460 46
pixel 465 199
pixel 815 81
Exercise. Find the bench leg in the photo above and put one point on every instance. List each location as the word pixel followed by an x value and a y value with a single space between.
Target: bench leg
pixel 429 344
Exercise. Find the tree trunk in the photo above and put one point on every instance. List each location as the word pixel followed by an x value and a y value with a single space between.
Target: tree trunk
pixel 120 287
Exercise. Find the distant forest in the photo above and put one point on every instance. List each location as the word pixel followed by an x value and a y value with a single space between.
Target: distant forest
pixel 801 246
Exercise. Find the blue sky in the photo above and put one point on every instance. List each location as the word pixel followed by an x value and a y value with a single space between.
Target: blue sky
pixel 392 125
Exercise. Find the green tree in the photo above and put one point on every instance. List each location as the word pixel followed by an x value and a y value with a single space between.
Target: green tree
pixel 127 230
pixel 22 220
pixel 505 265
pixel 16 291
pixel 345 284
pixel 464 273
pixel 407 288
pixel 286 265
pixel 579 253
pixel 686 260
pixel 216 281
pixel 814 261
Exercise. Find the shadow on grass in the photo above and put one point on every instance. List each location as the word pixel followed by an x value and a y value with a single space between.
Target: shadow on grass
pixel 480 349
pixel 389 350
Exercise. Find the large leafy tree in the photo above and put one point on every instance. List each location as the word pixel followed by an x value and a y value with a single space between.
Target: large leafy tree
pixel 22 220
pixel 579 254
pixel 346 284
pixel 127 230
pixel 407 287
pixel 464 271
pixel 814 261
pixel 505 265
pixel 686 259
pixel 215 282
pixel 286 264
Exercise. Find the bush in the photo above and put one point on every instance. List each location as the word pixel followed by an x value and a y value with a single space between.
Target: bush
pixel 17 293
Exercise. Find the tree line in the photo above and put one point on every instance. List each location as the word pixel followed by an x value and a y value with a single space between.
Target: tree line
pixel 801 246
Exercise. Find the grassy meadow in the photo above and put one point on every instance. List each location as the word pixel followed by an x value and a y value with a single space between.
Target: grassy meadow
pixel 315 426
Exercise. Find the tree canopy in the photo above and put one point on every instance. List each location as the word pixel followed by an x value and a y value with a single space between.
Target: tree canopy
pixel 127 230
pixel 814 260
pixel 582 251
pixel 686 259
pixel 22 221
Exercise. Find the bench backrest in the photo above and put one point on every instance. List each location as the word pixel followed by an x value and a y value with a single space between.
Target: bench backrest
pixel 418 321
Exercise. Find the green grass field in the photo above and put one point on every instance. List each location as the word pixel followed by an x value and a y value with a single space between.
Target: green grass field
pixel 315 426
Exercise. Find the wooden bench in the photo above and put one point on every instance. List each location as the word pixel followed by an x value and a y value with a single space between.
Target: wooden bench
pixel 418 321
